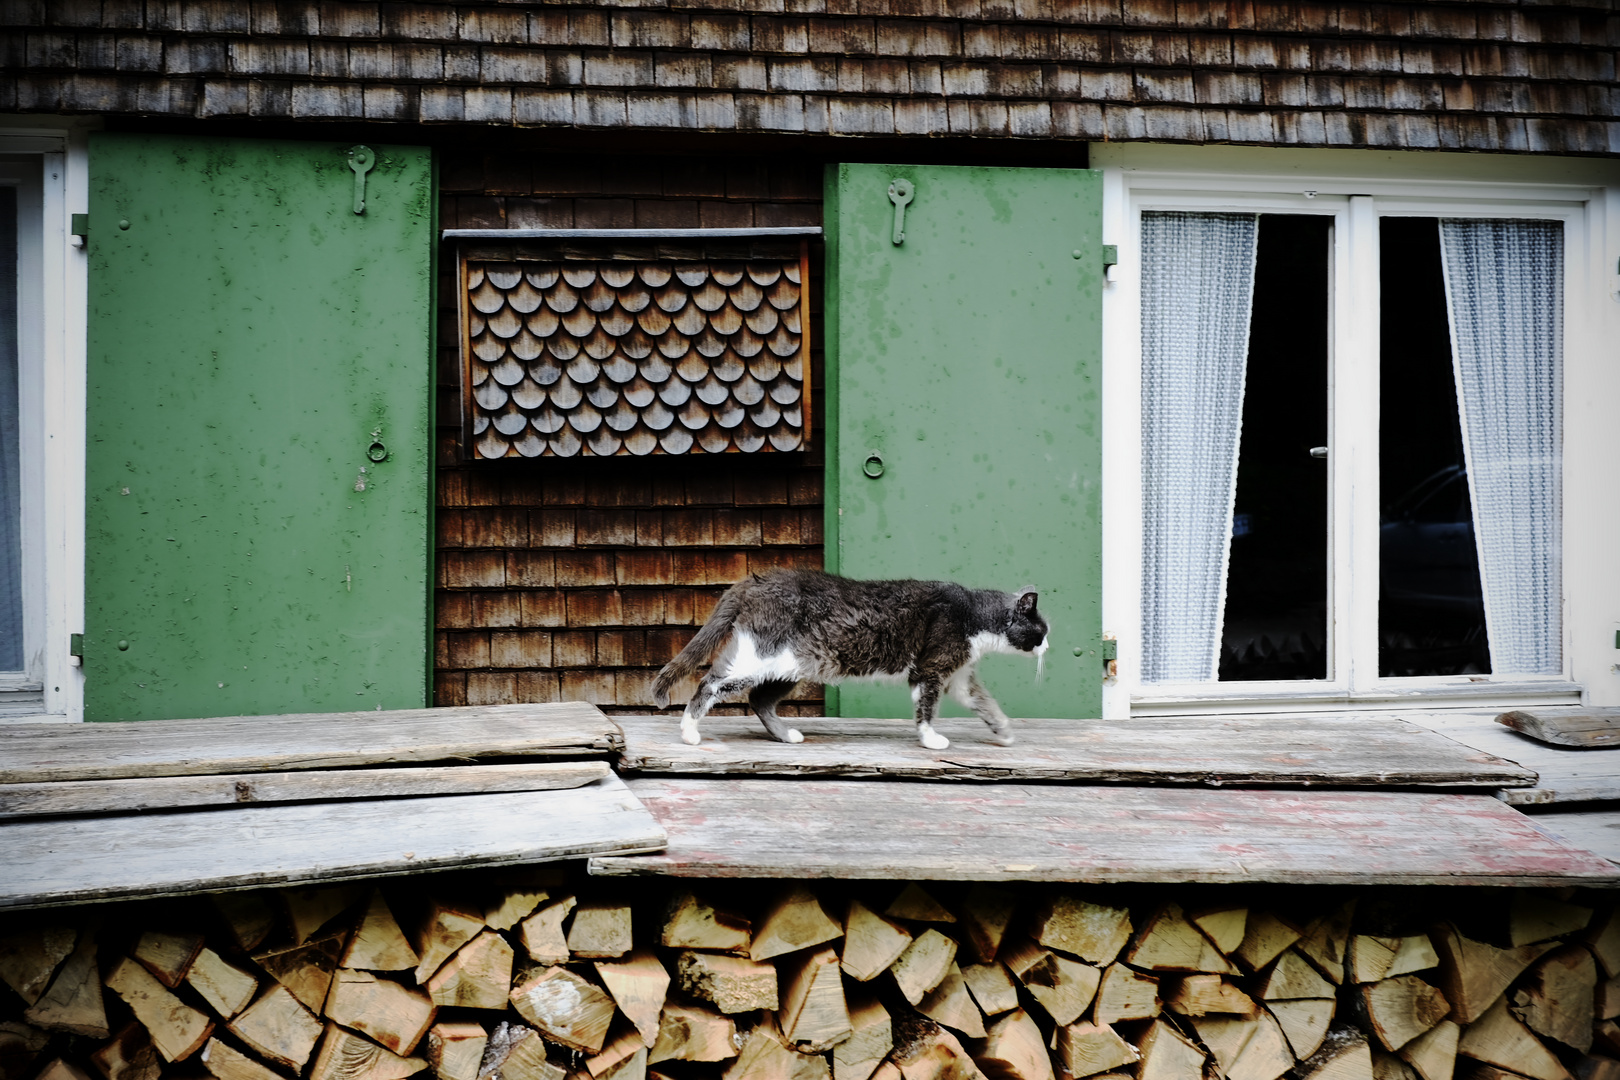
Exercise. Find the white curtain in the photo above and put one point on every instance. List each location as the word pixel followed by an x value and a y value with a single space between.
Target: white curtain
pixel 1505 301
pixel 1197 292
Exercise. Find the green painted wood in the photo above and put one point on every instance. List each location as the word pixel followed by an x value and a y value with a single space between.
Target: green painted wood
pixel 249 337
pixel 969 358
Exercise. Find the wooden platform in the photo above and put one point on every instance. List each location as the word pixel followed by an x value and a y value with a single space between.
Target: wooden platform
pixel 1596 829
pixel 240 744
pixel 736 828
pixel 76 860
pixel 1360 751
pixel 1565 775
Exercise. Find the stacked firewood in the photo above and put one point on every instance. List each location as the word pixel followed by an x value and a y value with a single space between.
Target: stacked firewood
pixel 548 975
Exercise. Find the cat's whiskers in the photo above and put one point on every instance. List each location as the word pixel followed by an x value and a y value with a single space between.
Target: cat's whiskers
pixel 1040 657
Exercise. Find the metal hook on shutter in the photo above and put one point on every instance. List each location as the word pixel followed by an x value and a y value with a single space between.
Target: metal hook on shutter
pixel 873 465
pixel 900 193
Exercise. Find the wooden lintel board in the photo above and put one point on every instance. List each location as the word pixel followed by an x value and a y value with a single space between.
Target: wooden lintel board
pixel 83 859
pixel 1578 729
pixel 754 828
pixel 34 753
pixel 1340 751
pixel 1564 775
pixel 231 789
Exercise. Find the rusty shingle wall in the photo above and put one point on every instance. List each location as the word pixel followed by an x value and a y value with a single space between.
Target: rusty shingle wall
pixel 1536 77
pixel 578 578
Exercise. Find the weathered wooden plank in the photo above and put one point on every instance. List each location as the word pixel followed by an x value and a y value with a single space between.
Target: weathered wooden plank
pixel 1585 729
pixel 33 753
pixel 1598 831
pixel 1564 775
pixel 1354 751
pixel 1032 832
pixel 176 792
pixel 74 860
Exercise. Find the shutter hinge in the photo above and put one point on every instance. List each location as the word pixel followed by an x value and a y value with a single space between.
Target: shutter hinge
pixel 76 649
pixel 80 229
pixel 1110 658
pixel 1110 260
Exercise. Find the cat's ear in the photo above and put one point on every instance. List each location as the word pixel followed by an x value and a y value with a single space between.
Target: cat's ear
pixel 1025 603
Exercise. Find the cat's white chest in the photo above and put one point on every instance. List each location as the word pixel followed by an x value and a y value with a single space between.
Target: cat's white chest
pixel 986 642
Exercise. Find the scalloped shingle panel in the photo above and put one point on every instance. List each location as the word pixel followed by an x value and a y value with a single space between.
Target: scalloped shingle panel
pixel 615 358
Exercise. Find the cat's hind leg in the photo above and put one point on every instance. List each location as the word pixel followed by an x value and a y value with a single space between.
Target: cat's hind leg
pixel 966 688
pixel 710 689
pixel 925 695
pixel 764 699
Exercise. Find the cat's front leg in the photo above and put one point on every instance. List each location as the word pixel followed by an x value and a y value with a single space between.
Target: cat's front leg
pixel 925 694
pixel 967 689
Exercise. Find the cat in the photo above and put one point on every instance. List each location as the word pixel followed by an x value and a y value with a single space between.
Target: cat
pixel 790 625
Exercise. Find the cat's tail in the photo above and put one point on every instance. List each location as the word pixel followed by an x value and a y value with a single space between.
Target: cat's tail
pixel 701 647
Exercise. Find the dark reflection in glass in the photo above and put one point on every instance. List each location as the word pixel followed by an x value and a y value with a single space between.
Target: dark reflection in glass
pixel 1276 587
pixel 1431 616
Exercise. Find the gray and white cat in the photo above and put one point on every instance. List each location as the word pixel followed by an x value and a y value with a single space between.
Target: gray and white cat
pixel 792 625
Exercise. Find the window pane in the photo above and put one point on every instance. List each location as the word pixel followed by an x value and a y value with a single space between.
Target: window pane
pixel 1431 616
pixel 1276 595
pixel 11 600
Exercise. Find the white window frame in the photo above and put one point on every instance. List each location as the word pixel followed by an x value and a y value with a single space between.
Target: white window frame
pixel 52 429
pixel 1356 189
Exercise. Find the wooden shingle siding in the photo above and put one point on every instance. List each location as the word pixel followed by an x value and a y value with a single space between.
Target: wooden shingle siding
pixel 1487 76
pixel 577 579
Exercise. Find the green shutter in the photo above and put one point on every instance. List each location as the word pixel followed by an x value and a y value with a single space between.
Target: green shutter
pixel 250 339
pixel 968 358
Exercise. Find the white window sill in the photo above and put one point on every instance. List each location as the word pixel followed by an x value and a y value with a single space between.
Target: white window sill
pixel 1406 693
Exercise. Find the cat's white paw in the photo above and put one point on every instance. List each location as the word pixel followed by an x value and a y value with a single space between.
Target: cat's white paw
pixel 794 736
pixel 689 732
pixel 931 738
pixel 1002 738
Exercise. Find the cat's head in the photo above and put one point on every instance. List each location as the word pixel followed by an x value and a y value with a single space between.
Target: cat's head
pixel 1026 629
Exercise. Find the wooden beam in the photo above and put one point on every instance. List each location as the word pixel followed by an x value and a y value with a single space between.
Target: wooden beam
pixel 1585 729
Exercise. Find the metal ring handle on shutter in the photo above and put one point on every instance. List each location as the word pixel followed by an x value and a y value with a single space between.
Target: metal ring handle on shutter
pixel 377 452
pixel 873 466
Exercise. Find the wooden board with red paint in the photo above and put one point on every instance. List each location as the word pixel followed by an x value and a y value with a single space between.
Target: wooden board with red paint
pixel 757 828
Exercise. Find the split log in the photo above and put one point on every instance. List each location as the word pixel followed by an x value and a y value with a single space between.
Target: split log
pixel 950 1004
pixel 456 1050
pixel 1202 995
pixel 378 943
pixel 442 929
pixel 1593 1067
pixel 600 931
pixel 1387 1066
pixel 1224 926
pixel 1265 936
pixel 639 985
pixel 249 916
pixel 224 1062
pixel 1063 987
pixel 1088 1049
pixel 1535 916
pixel 566 1008
pixel 732 984
pixel 633 1067
pixel 693 1033
pixel 1291 978
pixel 278 1027
pixel 1094 932
pixel 1168 942
pixel 813 1015
pixel 1344 1055
pixel 925 1051
pixel 59 1069
pixel 176 1029
pixel 130 1055
pixel 1266 1055
pixel 1224 1037
pixel 347 1056
pixel 1606 1034
pixel 1124 994
pixel 310 909
pixel 542 933
pixel 1556 997
pixel 73 1001
pixel 1498 1038
pixel 20 1046
pixel 1012 1049
pixel 1603 937
pixel 526 1060
pixel 986 912
pixel 1305 1023
pixel 870 1040
pixel 691 923
pixel 1474 974
pixel 1374 958
pixel 795 921
pixel 519 893
pixel 1325 941
pixel 623 1043
pixel 914 904
pixel 1433 1055
pixel 1402 1008
pixel 226 987
pixel 1607 1000
pixel 395 1016
pixel 871 942
pixel 306 970
pixel 478 976
pixel 992 986
pixel 30 957
pixel 922 966
pixel 764 1056
pixel 1169 1055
